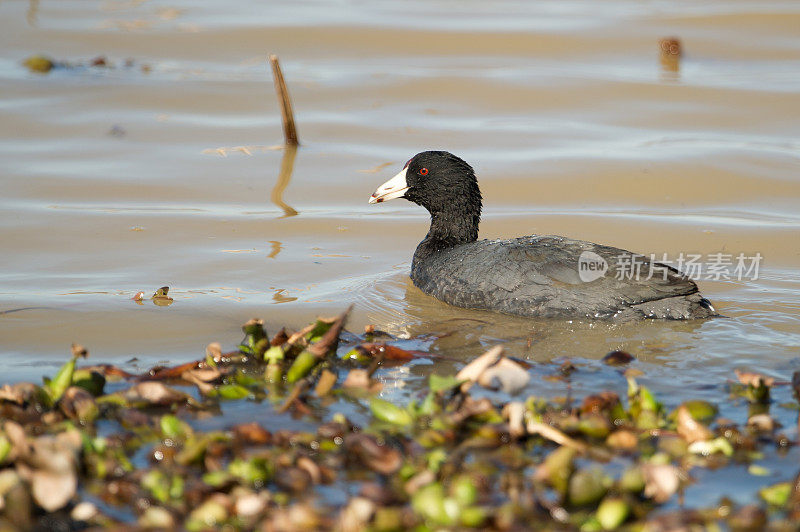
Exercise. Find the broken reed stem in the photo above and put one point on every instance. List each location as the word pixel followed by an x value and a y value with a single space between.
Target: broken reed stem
pixel 287 114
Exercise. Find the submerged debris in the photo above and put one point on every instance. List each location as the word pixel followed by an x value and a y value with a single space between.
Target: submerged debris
pixel 43 64
pixel 96 446
pixel 39 63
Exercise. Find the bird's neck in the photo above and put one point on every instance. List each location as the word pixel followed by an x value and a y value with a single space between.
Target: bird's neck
pixel 447 231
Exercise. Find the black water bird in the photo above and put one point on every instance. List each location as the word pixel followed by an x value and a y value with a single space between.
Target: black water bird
pixel 535 276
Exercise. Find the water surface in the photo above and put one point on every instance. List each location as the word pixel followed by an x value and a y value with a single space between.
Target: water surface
pixel 163 171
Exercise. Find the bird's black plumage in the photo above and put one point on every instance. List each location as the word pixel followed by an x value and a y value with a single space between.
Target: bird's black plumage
pixel 531 275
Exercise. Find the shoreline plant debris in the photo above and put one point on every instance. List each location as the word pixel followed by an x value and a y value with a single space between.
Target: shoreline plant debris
pixel 97 446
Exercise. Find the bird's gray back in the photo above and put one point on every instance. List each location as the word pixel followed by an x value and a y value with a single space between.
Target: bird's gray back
pixel 539 276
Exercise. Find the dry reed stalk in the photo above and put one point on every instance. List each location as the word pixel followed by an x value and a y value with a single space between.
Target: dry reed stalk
pixel 287 114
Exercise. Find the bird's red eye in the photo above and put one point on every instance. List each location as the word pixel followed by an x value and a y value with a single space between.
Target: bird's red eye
pixel 423 171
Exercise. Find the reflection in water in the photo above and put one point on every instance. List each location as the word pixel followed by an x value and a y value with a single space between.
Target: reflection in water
pixel 670 48
pixel 158 301
pixel 33 12
pixel 9 311
pixel 285 175
pixel 407 312
pixel 279 297
pixel 276 248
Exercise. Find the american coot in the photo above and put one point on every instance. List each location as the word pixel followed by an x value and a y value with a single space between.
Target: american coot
pixel 547 276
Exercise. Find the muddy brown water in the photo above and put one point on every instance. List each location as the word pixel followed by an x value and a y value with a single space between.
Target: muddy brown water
pixel 162 171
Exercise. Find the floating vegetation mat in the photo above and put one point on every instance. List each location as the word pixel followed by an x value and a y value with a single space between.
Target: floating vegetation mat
pixel 97 446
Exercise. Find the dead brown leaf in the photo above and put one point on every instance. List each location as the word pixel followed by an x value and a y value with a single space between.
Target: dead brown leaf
pixel 756 380
pixel 326 382
pixel 252 433
pixel 52 474
pixel 357 378
pixel 389 352
pixel 78 404
pixel 356 515
pixel 279 338
pixel 330 339
pixel 202 386
pixel 514 413
pixel 52 490
pixel 505 375
pixel 311 468
pixel 472 371
pixel 109 371
pixel 374 454
pixel 19 393
pixel 207 374
pixel 299 336
pixel 554 435
pixel 214 351
pixel 421 479
pixel 690 429
pixel 599 403
pixel 761 423
pixel 78 351
pixel 622 439
pixel 174 372
pixel 661 481
pixel 471 407
pixel 155 393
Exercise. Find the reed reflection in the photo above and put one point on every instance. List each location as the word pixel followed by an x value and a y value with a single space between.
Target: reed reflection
pixel 33 12
pixel 284 176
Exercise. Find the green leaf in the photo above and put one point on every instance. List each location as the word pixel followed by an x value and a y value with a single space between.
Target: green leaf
pixel 389 412
pixel 62 380
pixel 253 471
pixel 428 406
pixel 195 447
pixel 649 401
pixel 243 379
pixel 612 512
pixel 473 517
pixel 587 486
pixel 5 447
pixel 320 328
pixel 176 487
pixel 301 367
pixel 274 354
pixel 216 479
pixel 702 411
pixel 442 384
pixel 717 445
pixel 232 391
pixel 172 427
pixel 429 503
pixel 91 381
pixel 273 373
pixel 156 482
pixel 463 490
pixel 777 494
pixel 255 337
pixel 436 458
pixel 558 467
pixel 356 355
